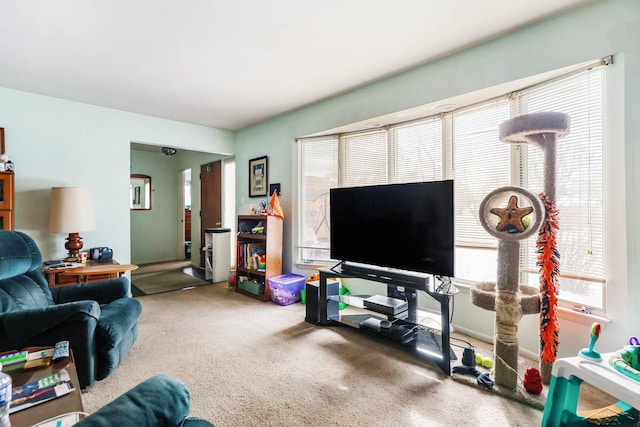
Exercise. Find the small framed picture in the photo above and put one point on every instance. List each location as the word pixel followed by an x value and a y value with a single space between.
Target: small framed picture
pixel 258 183
pixel 274 187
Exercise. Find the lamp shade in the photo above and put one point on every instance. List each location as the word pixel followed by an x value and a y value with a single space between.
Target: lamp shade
pixel 71 210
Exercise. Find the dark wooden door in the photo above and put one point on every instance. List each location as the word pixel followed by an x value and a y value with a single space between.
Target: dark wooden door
pixel 210 200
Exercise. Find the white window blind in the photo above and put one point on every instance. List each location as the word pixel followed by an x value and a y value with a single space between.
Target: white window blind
pixel 580 194
pixel 319 163
pixel 417 151
pixel 481 164
pixel 364 159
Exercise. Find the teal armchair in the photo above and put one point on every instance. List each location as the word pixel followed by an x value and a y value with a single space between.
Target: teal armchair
pixel 99 319
pixel 160 401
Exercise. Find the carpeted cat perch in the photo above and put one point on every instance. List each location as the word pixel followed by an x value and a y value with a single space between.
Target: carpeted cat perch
pixel 543 129
pixel 510 214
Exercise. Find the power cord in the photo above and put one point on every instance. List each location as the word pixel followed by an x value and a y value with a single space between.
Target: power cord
pixel 467 343
pixel 445 284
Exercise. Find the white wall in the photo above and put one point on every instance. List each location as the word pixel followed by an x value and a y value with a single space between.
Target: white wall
pixel 604 28
pixel 55 142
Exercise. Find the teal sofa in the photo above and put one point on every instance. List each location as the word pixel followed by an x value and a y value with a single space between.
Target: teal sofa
pixel 99 319
pixel 160 401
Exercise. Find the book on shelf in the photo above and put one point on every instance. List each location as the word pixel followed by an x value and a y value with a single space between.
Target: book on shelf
pixel 258 257
pixel 36 392
pixel 251 256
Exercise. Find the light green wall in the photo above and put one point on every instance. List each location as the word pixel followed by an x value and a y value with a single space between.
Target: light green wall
pixel 55 142
pixel 604 28
pixel 154 233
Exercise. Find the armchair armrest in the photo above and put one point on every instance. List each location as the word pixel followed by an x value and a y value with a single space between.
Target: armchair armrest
pixel 103 291
pixel 158 401
pixel 25 324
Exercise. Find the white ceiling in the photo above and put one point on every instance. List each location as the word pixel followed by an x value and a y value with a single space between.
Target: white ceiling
pixel 231 64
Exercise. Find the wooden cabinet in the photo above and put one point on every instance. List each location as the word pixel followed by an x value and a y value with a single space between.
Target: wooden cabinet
pixel 6 201
pixel 187 225
pixel 258 255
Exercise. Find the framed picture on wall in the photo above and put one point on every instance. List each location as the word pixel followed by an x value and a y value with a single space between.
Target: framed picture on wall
pixel 274 187
pixel 258 183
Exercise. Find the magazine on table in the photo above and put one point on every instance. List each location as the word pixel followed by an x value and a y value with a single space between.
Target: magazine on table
pixel 64 420
pixel 43 390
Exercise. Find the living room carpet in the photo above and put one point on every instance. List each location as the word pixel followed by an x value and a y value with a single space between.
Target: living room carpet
pixel 253 363
pixel 163 281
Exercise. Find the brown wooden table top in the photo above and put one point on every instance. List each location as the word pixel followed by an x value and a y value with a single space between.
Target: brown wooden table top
pixel 98 269
pixel 61 405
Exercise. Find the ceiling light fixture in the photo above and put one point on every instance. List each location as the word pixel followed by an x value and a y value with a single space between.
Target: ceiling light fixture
pixel 169 151
pixel 375 125
pixel 445 108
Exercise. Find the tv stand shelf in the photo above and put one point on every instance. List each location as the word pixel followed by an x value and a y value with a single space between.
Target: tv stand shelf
pixel 424 335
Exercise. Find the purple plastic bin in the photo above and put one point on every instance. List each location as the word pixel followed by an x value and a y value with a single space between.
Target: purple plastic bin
pixel 286 289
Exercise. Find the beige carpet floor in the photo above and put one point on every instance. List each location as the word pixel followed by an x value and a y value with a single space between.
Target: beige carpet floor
pixel 252 363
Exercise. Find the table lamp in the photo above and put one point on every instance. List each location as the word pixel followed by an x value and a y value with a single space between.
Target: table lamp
pixel 71 212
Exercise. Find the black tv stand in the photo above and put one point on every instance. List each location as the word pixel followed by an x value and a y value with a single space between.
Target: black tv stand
pixel 424 341
pixel 402 278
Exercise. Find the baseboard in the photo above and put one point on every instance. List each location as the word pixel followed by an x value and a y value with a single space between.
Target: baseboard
pixel 489 341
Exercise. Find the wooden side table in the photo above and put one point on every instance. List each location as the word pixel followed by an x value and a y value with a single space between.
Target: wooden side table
pixel 93 271
pixel 68 403
pixel 90 274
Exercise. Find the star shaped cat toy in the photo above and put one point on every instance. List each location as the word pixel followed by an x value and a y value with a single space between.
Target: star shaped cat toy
pixel 512 217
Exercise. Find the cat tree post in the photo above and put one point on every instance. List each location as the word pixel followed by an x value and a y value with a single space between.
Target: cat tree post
pixel 510 224
pixel 543 129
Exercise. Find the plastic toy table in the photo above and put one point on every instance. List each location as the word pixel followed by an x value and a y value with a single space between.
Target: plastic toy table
pixel 567 376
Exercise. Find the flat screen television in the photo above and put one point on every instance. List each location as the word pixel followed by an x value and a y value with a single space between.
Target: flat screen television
pixel 407 227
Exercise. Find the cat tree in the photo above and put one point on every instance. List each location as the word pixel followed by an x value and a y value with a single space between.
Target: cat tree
pixel 543 130
pixel 510 214
pixel 510 225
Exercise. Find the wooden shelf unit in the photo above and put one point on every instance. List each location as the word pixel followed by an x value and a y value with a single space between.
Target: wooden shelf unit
pixel 7 217
pixel 271 242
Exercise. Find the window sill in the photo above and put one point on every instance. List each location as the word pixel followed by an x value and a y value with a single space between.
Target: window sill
pixel 564 313
pixel 312 265
pixel 580 317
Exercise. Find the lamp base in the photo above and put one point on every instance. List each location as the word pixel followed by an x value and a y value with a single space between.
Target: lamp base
pixel 73 245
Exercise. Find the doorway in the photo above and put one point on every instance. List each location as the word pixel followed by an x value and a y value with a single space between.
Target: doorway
pixel 210 200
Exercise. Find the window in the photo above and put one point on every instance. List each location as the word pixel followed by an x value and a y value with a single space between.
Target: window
pixel 319 166
pixel 580 192
pixel 464 145
pixel 481 164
